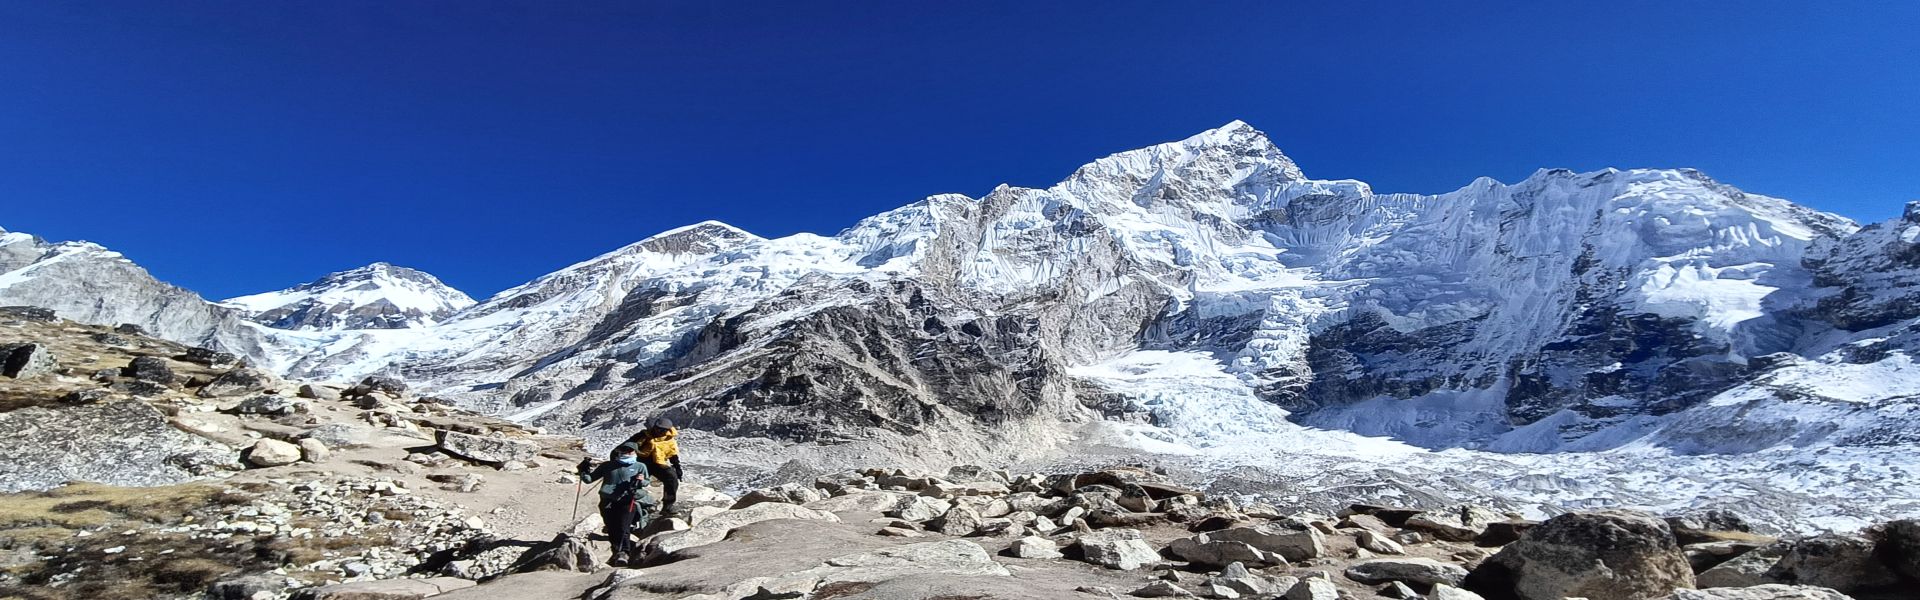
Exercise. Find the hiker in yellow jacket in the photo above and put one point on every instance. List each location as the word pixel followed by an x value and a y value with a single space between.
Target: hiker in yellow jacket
pixel 660 452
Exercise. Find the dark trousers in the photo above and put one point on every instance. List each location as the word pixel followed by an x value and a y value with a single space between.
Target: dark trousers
pixel 669 485
pixel 619 516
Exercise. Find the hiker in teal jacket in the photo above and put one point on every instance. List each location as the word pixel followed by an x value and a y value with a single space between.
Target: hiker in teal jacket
pixel 623 498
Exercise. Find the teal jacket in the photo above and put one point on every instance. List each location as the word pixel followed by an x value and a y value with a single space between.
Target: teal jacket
pixel 619 483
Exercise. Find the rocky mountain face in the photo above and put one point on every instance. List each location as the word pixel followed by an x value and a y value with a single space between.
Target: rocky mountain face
pixel 86 282
pixel 376 296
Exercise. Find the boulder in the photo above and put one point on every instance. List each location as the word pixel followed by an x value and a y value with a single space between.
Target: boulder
pixel 715 528
pixel 1713 525
pixel 236 382
pixel 21 361
pixel 385 589
pixel 1771 591
pixel 272 453
pixel 1501 533
pixel 314 451
pixel 568 551
pixel 1123 549
pixel 1374 542
pixel 1313 589
pixel 948 557
pixel 487 449
pixel 1459 524
pixel 273 406
pixel 861 501
pixel 1447 592
pixel 340 435
pixel 1204 551
pixel 387 385
pixel 1712 554
pixel 84 397
pixel 790 493
pixel 1033 547
pixel 1162 589
pixel 1035 503
pixel 758 497
pixel 1603 555
pixel 319 392
pixel 1746 569
pixel 144 389
pixel 1395 589
pixel 149 368
pixel 1418 571
pixel 247 587
pixel 1899 542
pixel 1294 545
pixel 1367 522
pixel 208 357
pixel 921 508
pixel 958 522
pixel 999 528
pixel 1842 562
pixel 1216 523
pixel 1236 577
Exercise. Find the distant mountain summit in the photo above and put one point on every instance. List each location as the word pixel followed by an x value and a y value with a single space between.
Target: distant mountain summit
pixel 376 296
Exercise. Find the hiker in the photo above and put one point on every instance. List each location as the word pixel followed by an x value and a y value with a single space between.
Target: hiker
pixel 623 497
pixel 661 454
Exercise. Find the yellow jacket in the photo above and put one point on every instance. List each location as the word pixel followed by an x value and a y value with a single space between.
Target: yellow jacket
pixel 658 449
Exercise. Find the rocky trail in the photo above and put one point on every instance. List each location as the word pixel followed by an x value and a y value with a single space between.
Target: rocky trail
pixel 207 478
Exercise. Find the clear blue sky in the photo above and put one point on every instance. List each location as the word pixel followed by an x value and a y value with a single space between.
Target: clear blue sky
pixel 240 146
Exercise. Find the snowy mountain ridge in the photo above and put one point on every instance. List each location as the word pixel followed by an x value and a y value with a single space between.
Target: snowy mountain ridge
pixel 1204 298
pixel 376 296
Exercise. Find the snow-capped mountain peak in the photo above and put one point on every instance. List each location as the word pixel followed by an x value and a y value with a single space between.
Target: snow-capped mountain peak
pixel 376 296
pixel 705 237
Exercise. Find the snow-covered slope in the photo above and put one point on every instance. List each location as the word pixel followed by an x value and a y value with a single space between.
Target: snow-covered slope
pixel 376 296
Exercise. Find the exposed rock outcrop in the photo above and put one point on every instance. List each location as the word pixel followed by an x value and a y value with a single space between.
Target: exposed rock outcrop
pixel 1605 555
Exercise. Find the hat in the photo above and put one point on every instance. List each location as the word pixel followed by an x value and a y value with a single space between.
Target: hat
pixel 661 423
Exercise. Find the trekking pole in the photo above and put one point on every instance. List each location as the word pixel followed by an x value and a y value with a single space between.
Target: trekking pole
pixel 577 495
